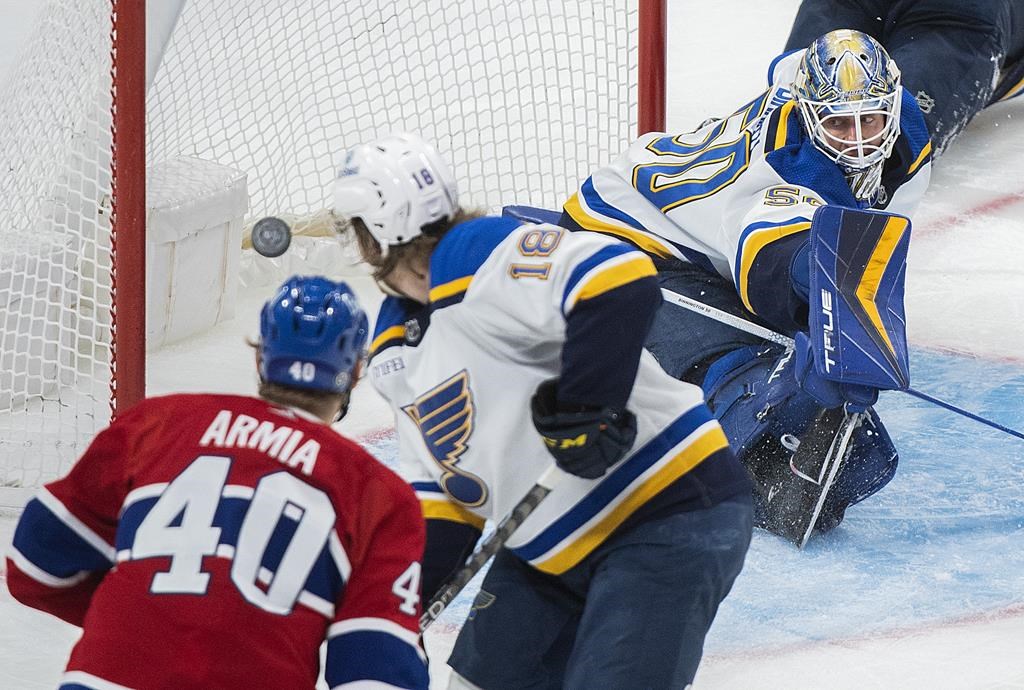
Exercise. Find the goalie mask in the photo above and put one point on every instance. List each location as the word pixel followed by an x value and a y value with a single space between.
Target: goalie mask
pixel 397 185
pixel 848 90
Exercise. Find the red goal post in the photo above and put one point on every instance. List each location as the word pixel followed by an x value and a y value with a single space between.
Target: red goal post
pixel 524 98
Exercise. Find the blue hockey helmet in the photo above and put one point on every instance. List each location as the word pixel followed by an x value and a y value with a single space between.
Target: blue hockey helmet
pixel 312 335
pixel 848 90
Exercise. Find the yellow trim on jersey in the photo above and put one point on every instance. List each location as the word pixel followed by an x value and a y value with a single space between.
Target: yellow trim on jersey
pixel 443 510
pixel 875 269
pixel 757 241
pixel 388 334
pixel 452 287
pixel 1014 90
pixel 712 441
pixel 920 158
pixel 783 129
pixel 615 276
pixel 635 237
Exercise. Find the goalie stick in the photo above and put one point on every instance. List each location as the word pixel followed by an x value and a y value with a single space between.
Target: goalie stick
pixel 771 336
pixel 509 524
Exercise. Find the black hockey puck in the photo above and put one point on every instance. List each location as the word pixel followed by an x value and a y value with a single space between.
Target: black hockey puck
pixel 271 237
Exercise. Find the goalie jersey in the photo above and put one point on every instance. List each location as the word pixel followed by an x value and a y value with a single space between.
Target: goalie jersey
pixel 216 541
pixel 460 372
pixel 736 195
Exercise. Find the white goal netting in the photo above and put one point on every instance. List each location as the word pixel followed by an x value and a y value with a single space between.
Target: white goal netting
pixel 524 98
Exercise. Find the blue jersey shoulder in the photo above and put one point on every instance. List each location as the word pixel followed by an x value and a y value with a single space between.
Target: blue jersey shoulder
pixel 462 251
pixel 914 137
pixel 394 311
pixel 389 330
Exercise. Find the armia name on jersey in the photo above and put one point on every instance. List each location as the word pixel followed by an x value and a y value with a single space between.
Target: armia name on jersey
pixel 283 443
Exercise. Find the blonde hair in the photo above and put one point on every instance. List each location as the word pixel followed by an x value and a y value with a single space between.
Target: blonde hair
pixel 415 252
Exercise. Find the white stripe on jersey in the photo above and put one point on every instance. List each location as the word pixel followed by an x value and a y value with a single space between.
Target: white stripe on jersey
pixel 340 557
pixel 90 681
pixel 41 576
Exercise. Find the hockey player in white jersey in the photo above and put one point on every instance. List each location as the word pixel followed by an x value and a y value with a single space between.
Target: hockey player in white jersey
pixel 505 346
pixel 726 212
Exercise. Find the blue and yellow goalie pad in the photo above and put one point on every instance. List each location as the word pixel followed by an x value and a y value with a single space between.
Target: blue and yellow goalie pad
pixel 857 320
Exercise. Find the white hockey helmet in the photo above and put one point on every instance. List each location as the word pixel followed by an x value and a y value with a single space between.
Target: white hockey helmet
pixel 396 185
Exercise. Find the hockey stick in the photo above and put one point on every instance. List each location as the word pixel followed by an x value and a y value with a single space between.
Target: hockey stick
pixel 509 524
pixel 770 335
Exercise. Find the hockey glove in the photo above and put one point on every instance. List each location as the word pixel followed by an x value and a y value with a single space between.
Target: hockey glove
pixel 829 393
pixel 584 441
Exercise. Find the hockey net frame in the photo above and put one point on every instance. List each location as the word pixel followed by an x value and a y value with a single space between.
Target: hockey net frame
pixel 550 78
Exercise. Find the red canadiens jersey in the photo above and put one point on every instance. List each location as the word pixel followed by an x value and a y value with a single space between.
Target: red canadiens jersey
pixel 216 541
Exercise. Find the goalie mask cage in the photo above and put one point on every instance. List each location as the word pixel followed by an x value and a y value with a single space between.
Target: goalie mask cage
pixel 523 98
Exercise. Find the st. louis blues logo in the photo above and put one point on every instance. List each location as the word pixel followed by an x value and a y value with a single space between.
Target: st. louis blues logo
pixel 444 416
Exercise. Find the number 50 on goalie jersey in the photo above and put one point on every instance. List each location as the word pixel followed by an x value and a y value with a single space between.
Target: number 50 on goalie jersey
pixel 736 195
pixel 217 541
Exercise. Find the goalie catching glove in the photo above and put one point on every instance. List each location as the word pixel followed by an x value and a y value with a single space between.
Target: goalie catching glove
pixel 585 441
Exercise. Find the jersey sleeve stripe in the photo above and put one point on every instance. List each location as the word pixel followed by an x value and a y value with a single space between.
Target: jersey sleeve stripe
pixel 921 158
pixel 30 569
pixel 393 335
pixel 588 219
pixel 754 239
pixel 446 510
pixel 610 277
pixel 60 511
pixel 450 289
pixel 777 132
pixel 1014 90
pixel 57 543
pixel 75 680
pixel 363 684
pixel 374 657
pixel 680 447
pixel 709 440
pixel 310 601
pixel 607 257
pixel 371 624
pixel 341 561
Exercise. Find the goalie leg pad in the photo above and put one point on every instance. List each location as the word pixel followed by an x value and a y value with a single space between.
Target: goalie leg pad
pixel 764 413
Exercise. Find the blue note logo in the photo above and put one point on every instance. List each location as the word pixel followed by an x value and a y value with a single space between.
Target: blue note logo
pixel 444 416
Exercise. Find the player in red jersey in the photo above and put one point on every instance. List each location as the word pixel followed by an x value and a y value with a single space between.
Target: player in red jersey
pixel 216 541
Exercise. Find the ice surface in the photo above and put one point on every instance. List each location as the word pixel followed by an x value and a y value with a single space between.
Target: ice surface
pixel 923 584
